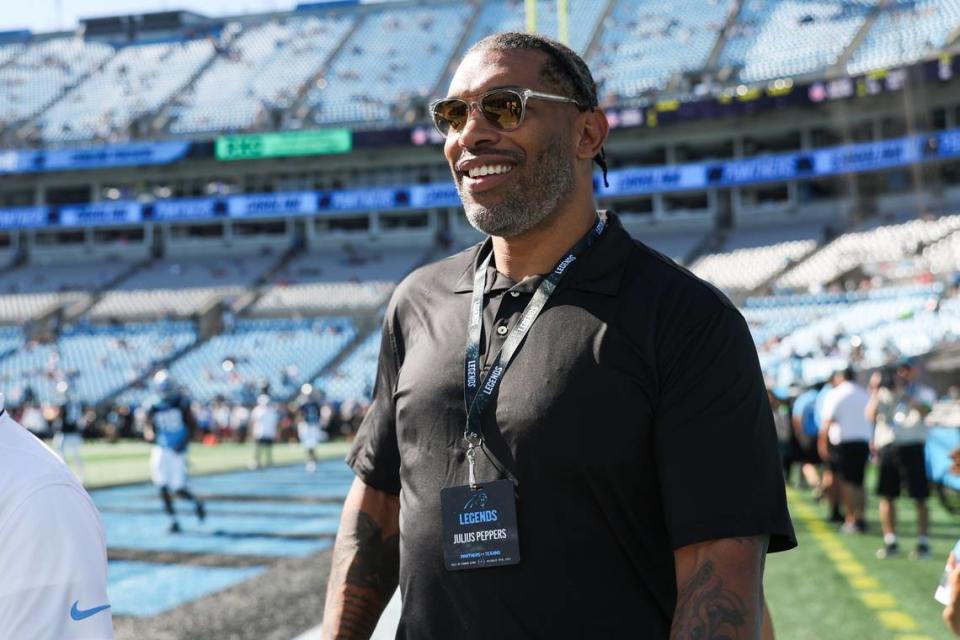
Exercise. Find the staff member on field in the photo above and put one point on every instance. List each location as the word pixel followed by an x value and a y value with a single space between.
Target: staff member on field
pixel 570 434
pixel 53 553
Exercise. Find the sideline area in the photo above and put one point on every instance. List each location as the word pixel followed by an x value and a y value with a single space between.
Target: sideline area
pixel 263 524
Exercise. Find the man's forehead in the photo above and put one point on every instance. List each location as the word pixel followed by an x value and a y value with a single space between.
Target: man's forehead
pixel 483 70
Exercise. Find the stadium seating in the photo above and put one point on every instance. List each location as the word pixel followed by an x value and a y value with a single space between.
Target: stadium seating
pixel 747 269
pixel 787 38
pixel 644 43
pixel 906 31
pixel 394 53
pixel 353 379
pixel 881 244
pixel 181 288
pixel 43 72
pixel 943 256
pixel 35 289
pixel 802 339
pixel 352 280
pixel 96 360
pixel 508 15
pixel 266 66
pixel 11 338
pixel 281 353
pixel 137 81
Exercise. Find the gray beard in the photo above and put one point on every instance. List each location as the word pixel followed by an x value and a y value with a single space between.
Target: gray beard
pixel 530 201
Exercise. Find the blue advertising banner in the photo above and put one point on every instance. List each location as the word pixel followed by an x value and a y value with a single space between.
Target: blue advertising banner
pixel 184 209
pixel 116 155
pixel 363 199
pixel 653 180
pixel 101 213
pixel 22 217
pixel 423 196
pixel 272 204
pixel 871 156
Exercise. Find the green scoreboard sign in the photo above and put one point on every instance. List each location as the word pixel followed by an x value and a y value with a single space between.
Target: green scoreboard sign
pixel 289 143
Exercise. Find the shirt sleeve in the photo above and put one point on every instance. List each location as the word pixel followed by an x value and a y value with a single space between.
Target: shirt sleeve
pixel 375 456
pixel 54 566
pixel 717 453
pixel 829 406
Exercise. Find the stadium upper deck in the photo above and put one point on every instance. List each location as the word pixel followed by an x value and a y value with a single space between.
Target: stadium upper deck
pixel 376 65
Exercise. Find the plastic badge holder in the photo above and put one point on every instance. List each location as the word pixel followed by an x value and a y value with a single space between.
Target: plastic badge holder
pixel 942 594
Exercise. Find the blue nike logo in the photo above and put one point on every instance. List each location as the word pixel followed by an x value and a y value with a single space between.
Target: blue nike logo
pixel 77 614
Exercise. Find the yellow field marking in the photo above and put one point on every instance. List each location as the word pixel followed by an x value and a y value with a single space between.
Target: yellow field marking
pixel 867 583
pixel 878 599
pixel 867 588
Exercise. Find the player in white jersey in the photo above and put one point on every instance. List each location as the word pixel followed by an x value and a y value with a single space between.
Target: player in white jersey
pixel 53 555
pixel 170 425
pixel 264 420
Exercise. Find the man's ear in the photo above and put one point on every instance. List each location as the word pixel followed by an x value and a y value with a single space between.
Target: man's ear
pixel 593 133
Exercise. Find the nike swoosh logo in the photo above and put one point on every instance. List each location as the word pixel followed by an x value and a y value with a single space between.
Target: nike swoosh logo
pixel 77 614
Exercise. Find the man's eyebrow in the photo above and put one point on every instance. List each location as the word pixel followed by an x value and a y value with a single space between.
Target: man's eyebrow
pixel 505 86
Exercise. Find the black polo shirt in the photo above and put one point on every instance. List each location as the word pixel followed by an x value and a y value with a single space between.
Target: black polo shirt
pixel 634 418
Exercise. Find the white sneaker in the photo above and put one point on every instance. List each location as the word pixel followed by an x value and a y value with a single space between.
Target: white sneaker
pixel 311 467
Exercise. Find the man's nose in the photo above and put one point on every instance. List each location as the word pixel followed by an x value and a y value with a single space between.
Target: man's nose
pixel 477 130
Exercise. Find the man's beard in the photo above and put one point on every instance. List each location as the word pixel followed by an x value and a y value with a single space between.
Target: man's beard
pixel 529 200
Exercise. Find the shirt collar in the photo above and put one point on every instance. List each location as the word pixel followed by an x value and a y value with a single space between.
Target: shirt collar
pixel 599 270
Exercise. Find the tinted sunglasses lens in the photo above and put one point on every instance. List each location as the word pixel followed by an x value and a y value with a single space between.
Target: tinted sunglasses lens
pixel 504 109
pixel 450 114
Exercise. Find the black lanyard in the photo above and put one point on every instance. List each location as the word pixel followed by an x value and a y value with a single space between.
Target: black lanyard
pixel 477 393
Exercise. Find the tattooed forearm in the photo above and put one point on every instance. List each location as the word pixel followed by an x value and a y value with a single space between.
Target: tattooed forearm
pixel 719 587
pixel 364 570
pixel 707 610
pixel 375 562
pixel 369 564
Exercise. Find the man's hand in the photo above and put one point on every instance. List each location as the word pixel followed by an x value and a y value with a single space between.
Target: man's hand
pixel 951 613
pixel 720 589
pixel 365 568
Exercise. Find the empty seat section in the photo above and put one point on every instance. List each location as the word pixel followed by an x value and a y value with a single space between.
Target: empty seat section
pixel 282 354
pixel 646 42
pixel 266 66
pixel 395 54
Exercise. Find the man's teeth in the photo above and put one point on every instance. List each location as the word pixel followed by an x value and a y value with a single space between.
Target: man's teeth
pixel 488 170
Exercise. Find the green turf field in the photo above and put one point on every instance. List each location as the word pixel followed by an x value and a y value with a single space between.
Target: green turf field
pixel 831 587
pixel 125 462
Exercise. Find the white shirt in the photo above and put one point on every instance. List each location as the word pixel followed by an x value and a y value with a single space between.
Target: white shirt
pixel 264 418
pixel 846 405
pixel 53 554
pixel 896 421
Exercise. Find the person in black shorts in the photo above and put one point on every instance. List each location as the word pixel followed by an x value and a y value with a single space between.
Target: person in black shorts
pixel 899 406
pixel 845 443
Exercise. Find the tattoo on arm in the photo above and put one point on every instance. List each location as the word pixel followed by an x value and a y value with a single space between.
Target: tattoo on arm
pixel 707 610
pixel 719 596
pixel 368 566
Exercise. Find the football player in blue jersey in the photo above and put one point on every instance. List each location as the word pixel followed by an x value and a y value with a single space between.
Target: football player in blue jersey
pixel 309 429
pixel 170 425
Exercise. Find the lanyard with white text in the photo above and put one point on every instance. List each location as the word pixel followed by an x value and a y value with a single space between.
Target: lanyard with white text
pixel 476 393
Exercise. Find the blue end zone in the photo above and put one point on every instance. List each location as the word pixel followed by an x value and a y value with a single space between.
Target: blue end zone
pixel 146 589
pixel 271 525
pixel 237 535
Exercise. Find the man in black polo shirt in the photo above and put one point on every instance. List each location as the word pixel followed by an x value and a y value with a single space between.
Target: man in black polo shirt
pixel 570 435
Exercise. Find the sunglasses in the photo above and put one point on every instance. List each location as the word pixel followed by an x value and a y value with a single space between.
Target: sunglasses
pixel 503 108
